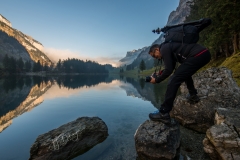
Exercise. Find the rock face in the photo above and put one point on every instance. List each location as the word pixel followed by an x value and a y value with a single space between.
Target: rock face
pixel 16 44
pixel 216 88
pixel 155 140
pixel 4 20
pixel 181 12
pixel 177 16
pixel 131 56
pixel 222 140
pixel 69 140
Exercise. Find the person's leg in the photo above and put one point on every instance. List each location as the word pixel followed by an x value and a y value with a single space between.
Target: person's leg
pixel 182 74
pixel 174 83
pixel 190 86
pixel 192 95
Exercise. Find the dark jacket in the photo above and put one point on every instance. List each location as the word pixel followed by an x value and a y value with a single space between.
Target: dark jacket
pixel 172 52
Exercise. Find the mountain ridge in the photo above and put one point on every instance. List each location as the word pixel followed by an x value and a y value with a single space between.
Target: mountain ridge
pixel 33 50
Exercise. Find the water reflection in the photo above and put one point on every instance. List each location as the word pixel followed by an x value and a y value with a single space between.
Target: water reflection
pixel 62 93
pixel 21 94
pixel 75 82
pixel 153 93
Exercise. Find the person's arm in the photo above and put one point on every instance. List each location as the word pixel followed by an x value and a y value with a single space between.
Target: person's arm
pixel 169 64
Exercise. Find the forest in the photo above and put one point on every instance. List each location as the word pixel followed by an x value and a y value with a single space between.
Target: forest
pixel 222 37
pixel 12 65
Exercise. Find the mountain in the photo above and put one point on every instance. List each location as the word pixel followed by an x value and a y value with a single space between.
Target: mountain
pixel 17 44
pixel 175 17
pixel 131 56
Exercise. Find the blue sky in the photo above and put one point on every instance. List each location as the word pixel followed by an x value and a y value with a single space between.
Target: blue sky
pixel 100 30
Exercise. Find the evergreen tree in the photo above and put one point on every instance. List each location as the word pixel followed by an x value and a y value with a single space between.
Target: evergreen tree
pixel 28 66
pixel 59 65
pixel 6 62
pixel 222 36
pixel 20 64
pixel 12 65
pixel 37 66
pixel 142 66
pixel 45 68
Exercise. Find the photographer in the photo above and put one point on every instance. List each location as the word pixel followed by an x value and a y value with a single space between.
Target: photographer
pixel 195 57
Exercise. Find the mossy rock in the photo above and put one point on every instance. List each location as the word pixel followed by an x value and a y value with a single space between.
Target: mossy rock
pixel 233 63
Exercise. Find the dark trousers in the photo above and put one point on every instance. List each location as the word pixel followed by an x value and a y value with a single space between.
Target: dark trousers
pixel 183 74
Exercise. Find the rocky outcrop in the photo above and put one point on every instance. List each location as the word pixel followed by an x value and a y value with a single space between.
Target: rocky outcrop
pixel 4 20
pixel 216 88
pixel 131 56
pixel 222 140
pixel 177 16
pixel 16 44
pixel 69 140
pixel 155 140
pixel 182 11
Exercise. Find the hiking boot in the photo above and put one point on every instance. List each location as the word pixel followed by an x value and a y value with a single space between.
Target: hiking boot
pixel 158 116
pixel 193 98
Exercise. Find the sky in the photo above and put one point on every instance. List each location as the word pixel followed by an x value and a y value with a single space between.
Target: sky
pixel 99 30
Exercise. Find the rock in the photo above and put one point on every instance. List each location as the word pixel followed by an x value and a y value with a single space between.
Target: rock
pixel 69 140
pixel 222 140
pixel 216 88
pixel 192 145
pixel 155 140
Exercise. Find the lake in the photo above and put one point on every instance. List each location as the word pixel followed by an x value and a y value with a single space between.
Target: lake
pixel 31 106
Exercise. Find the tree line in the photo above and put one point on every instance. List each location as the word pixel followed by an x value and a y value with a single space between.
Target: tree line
pixel 222 37
pixel 13 65
pixel 79 66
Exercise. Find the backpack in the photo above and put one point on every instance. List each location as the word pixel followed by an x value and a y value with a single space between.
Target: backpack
pixel 184 32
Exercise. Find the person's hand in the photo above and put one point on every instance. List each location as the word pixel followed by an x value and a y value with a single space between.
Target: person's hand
pixel 153 80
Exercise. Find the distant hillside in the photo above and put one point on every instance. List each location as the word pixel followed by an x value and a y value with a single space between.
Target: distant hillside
pixel 16 44
pixel 131 56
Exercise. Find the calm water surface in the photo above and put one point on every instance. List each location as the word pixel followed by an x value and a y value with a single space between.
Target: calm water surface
pixel 31 106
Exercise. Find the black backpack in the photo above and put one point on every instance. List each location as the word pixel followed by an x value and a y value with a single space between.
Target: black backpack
pixel 184 32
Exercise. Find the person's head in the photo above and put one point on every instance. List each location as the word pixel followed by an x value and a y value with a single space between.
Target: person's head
pixel 154 51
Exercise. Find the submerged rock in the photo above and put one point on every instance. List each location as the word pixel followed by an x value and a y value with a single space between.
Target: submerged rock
pixel 156 140
pixel 222 140
pixel 216 88
pixel 69 140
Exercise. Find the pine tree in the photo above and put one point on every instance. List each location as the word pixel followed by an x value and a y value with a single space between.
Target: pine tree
pixel 6 61
pixel 59 65
pixel 37 66
pixel 12 65
pixel 222 36
pixel 20 64
pixel 142 66
pixel 28 66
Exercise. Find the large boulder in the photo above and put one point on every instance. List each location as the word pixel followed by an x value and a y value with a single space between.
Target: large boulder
pixel 156 140
pixel 216 88
pixel 222 140
pixel 69 140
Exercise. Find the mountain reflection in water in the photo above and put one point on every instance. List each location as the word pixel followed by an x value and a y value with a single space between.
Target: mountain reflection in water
pixel 20 95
